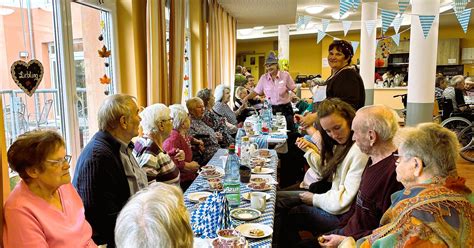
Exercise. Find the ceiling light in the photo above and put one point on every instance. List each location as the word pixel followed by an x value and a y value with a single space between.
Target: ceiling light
pixel 245 31
pixel 258 27
pixel 6 11
pixel 314 9
pixel 335 15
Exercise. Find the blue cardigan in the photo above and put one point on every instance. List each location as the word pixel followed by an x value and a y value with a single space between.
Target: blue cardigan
pixel 101 182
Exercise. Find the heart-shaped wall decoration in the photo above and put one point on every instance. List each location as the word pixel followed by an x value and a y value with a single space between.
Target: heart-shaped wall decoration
pixel 27 76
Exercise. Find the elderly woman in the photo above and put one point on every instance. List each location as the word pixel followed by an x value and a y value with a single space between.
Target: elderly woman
pixel 433 210
pixel 200 130
pixel 215 121
pixel 180 141
pixel 154 217
pixel 221 107
pixel 157 125
pixel 44 209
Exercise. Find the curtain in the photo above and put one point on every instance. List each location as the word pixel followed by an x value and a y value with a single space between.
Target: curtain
pixel 198 27
pixel 158 88
pixel 177 38
pixel 222 46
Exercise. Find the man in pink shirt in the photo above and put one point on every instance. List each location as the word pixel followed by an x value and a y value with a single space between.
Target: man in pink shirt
pixel 275 85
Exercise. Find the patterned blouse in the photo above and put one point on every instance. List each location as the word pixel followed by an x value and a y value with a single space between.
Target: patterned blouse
pixel 200 130
pixel 156 162
pixel 224 110
pixel 217 123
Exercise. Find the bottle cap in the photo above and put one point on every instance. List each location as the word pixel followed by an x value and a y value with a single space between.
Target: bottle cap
pixel 245 139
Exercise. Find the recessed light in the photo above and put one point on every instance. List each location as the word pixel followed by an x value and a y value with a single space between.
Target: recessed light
pixel 315 9
pixel 245 31
pixel 335 15
pixel 258 27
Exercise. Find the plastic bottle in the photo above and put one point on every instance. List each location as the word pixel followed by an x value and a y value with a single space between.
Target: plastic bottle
pixel 232 178
pixel 238 139
pixel 245 151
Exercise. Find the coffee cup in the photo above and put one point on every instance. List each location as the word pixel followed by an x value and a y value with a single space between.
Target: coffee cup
pixel 215 183
pixel 244 174
pixel 258 201
pixel 228 237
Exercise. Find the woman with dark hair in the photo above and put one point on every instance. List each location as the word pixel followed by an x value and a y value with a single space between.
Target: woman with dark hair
pixel 337 160
pixel 44 209
pixel 214 121
pixel 345 82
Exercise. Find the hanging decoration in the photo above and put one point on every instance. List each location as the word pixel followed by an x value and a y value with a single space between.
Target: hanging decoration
pixel 355 45
pixel 325 23
pixel 321 35
pixel 344 6
pixel 396 38
pixel 105 54
pixel 27 76
pixel 426 22
pixel 402 5
pixel 387 18
pixel 302 21
pixel 369 26
pixel 397 22
pixel 463 19
pixel 459 5
pixel 355 4
pixel 346 25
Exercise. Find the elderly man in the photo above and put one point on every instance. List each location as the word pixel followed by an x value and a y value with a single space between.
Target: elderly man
pixel 455 92
pixel 106 173
pixel 154 217
pixel 433 210
pixel 200 130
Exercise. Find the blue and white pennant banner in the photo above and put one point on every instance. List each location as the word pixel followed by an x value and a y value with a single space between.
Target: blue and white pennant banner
pixel 302 21
pixel 396 38
pixel 387 18
pixel 325 23
pixel 346 25
pixel 355 45
pixel 355 4
pixel 321 35
pixel 463 18
pixel 402 5
pixel 426 22
pixel 369 26
pixel 459 5
pixel 397 22
pixel 344 6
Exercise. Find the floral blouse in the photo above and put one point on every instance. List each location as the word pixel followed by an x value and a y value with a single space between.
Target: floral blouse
pixel 200 130
pixel 217 123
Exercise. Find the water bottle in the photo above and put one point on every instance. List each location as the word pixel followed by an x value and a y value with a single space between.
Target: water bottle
pixel 238 138
pixel 245 151
pixel 232 178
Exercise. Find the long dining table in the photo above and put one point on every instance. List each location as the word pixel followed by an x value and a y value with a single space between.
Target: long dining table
pixel 267 217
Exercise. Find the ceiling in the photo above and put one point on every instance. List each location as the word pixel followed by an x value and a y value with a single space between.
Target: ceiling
pixel 271 13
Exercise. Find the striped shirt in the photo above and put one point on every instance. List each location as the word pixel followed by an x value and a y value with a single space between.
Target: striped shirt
pixel 156 162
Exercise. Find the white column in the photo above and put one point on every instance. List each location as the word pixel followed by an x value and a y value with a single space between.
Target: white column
pixel 422 64
pixel 283 42
pixel 367 51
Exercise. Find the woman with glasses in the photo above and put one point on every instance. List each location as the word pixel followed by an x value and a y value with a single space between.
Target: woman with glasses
pixel 158 165
pixel 44 209
pixel 435 208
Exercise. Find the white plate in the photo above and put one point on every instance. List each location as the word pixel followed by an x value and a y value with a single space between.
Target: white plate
pixel 244 229
pixel 264 171
pixel 267 187
pixel 220 173
pixel 198 196
pixel 246 196
pixel 245 213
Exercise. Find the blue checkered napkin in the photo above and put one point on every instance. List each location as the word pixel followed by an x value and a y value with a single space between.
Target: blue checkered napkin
pixel 211 216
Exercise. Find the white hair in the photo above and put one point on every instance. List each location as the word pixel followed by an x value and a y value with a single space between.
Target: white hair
pixel 380 118
pixel 219 92
pixel 154 217
pixel 456 80
pixel 153 114
pixel 179 114
pixel 114 107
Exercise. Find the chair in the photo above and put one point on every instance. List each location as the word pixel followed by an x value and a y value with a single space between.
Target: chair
pixel 43 117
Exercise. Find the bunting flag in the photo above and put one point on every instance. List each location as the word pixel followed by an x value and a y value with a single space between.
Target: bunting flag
pixel 402 5
pixel 355 4
pixel 321 35
pixel 387 18
pixel 302 21
pixel 426 22
pixel 355 44
pixel 396 38
pixel 376 43
pixel 369 26
pixel 344 6
pixel 346 25
pixel 325 23
pixel 459 5
pixel 463 18
pixel 397 22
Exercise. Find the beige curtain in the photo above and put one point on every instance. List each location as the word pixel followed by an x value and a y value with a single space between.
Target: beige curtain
pixel 177 39
pixel 158 88
pixel 222 46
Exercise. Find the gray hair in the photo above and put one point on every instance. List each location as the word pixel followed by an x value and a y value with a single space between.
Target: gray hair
pixel 154 217
pixel 436 146
pixel 238 90
pixel 114 107
pixel 153 114
pixel 219 92
pixel 205 95
pixel 179 114
pixel 380 118
pixel 191 103
pixel 456 80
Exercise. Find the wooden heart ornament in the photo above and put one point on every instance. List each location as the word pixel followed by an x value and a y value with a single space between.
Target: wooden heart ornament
pixel 27 76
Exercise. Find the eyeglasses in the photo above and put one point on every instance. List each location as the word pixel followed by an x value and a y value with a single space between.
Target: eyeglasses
pixel 170 119
pixel 399 157
pixel 59 162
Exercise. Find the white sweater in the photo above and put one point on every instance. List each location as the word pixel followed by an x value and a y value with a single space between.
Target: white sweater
pixel 345 182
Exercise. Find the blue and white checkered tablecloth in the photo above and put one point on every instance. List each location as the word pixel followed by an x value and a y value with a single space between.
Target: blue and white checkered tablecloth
pixel 200 184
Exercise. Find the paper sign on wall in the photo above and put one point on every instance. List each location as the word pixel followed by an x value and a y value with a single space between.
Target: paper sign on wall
pixel 325 62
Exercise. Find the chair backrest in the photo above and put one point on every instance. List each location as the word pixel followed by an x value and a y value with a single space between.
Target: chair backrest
pixel 43 119
pixel 447 106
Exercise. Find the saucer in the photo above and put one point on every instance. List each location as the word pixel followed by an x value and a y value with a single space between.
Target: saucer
pixel 245 213
pixel 254 230
pixel 252 187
